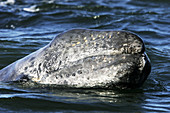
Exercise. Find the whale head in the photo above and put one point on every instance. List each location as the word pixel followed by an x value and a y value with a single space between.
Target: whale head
pixel 85 58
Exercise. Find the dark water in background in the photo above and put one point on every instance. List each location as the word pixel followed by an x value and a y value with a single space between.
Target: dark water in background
pixel 27 25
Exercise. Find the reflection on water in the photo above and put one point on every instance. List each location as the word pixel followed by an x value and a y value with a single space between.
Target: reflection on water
pixel 70 99
pixel 28 25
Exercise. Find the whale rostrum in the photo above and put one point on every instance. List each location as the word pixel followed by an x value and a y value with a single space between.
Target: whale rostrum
pixel 84 58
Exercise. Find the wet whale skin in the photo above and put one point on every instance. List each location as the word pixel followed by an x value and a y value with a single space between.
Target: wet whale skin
pixel 84 58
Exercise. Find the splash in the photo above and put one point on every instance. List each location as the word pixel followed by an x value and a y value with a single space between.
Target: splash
pixel 8 2
pixel 32 9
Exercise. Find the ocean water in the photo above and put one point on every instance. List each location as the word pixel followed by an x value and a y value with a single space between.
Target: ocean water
pixel 27 25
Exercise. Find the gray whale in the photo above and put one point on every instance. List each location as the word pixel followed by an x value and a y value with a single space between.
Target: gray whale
pixel 84 58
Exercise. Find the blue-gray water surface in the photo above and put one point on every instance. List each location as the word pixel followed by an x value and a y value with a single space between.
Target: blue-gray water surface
pixel 27 25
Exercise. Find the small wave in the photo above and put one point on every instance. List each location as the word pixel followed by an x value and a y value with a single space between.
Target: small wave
pixel 158 105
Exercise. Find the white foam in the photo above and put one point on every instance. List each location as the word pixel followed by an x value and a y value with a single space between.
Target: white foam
pixel 8 2
pixel 32 9
pixel 49 1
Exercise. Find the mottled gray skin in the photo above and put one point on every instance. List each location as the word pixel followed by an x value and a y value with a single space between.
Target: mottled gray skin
pixel 84 58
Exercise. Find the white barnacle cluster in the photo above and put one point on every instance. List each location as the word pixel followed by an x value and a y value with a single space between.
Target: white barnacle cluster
pixel 94 39
pixel 85 47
